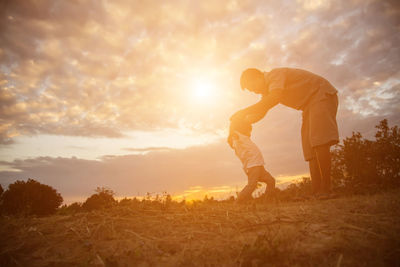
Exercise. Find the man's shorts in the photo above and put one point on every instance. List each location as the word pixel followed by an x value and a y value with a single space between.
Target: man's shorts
pixel 319 125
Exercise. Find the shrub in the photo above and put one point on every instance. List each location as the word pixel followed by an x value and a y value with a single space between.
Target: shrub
pixel 104 198
pixel 125 201
pixel 68 209
pixel 30 198
pixel 360 165
pixel 300 188
pixel 387 150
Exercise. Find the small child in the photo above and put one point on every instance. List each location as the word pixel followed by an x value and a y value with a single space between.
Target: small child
pixel 251 157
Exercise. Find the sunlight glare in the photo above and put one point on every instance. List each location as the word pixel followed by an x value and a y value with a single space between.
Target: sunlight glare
pixel 203 91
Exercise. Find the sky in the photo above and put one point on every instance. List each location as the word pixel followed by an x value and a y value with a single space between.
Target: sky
pixel 136 95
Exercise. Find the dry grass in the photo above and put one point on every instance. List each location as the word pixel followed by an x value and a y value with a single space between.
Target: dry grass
pixel 351 231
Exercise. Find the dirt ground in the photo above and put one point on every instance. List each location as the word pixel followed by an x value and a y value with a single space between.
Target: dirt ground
pixel 348 231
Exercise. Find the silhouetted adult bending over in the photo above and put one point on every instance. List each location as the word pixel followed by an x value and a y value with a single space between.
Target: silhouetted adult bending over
pixel 306 91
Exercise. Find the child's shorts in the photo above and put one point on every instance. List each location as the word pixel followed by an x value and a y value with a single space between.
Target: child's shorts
pixel 319 125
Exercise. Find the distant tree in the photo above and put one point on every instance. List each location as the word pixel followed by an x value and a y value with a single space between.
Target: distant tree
pixel 360 164
pixel 30 198
pixel 168 199
pixel 104 198
pixel 387 149
pixel 208 200
pixel 125 201
pixel 1 194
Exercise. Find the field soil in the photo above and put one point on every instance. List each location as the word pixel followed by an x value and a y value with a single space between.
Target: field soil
pixel 347 231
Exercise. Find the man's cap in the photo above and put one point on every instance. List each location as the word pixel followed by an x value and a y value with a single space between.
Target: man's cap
pixel 247 75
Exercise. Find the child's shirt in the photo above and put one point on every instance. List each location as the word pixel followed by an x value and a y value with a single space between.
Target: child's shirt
pixel 247 151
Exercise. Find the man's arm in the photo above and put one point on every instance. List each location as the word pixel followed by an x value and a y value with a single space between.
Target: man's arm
pixel 256 112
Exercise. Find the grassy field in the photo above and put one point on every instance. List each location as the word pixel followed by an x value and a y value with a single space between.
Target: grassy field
pixel 348 231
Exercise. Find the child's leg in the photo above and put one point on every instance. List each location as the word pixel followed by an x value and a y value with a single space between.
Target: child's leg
pixel 253 175
pixel 268 179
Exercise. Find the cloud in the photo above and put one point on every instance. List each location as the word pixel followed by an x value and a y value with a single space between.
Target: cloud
pixel 147 149
pixel 167 170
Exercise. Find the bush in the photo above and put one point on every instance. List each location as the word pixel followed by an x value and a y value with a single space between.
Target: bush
pixel 360 165
pixel 103 199
pixel 387 150
pixel 298 189
pixel 68 209
pixel 125 202
pixel 30 198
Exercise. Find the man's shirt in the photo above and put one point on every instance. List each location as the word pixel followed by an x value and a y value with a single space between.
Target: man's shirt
pixel 296 88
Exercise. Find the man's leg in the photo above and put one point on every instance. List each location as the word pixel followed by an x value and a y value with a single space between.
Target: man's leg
pixel 315 174
pixel 323 132
pixel 324 164
pixel 309 154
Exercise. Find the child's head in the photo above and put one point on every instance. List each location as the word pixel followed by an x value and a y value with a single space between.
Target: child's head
pixel 242 126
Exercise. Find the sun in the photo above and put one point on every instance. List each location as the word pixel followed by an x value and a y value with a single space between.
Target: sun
pixel 202 91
